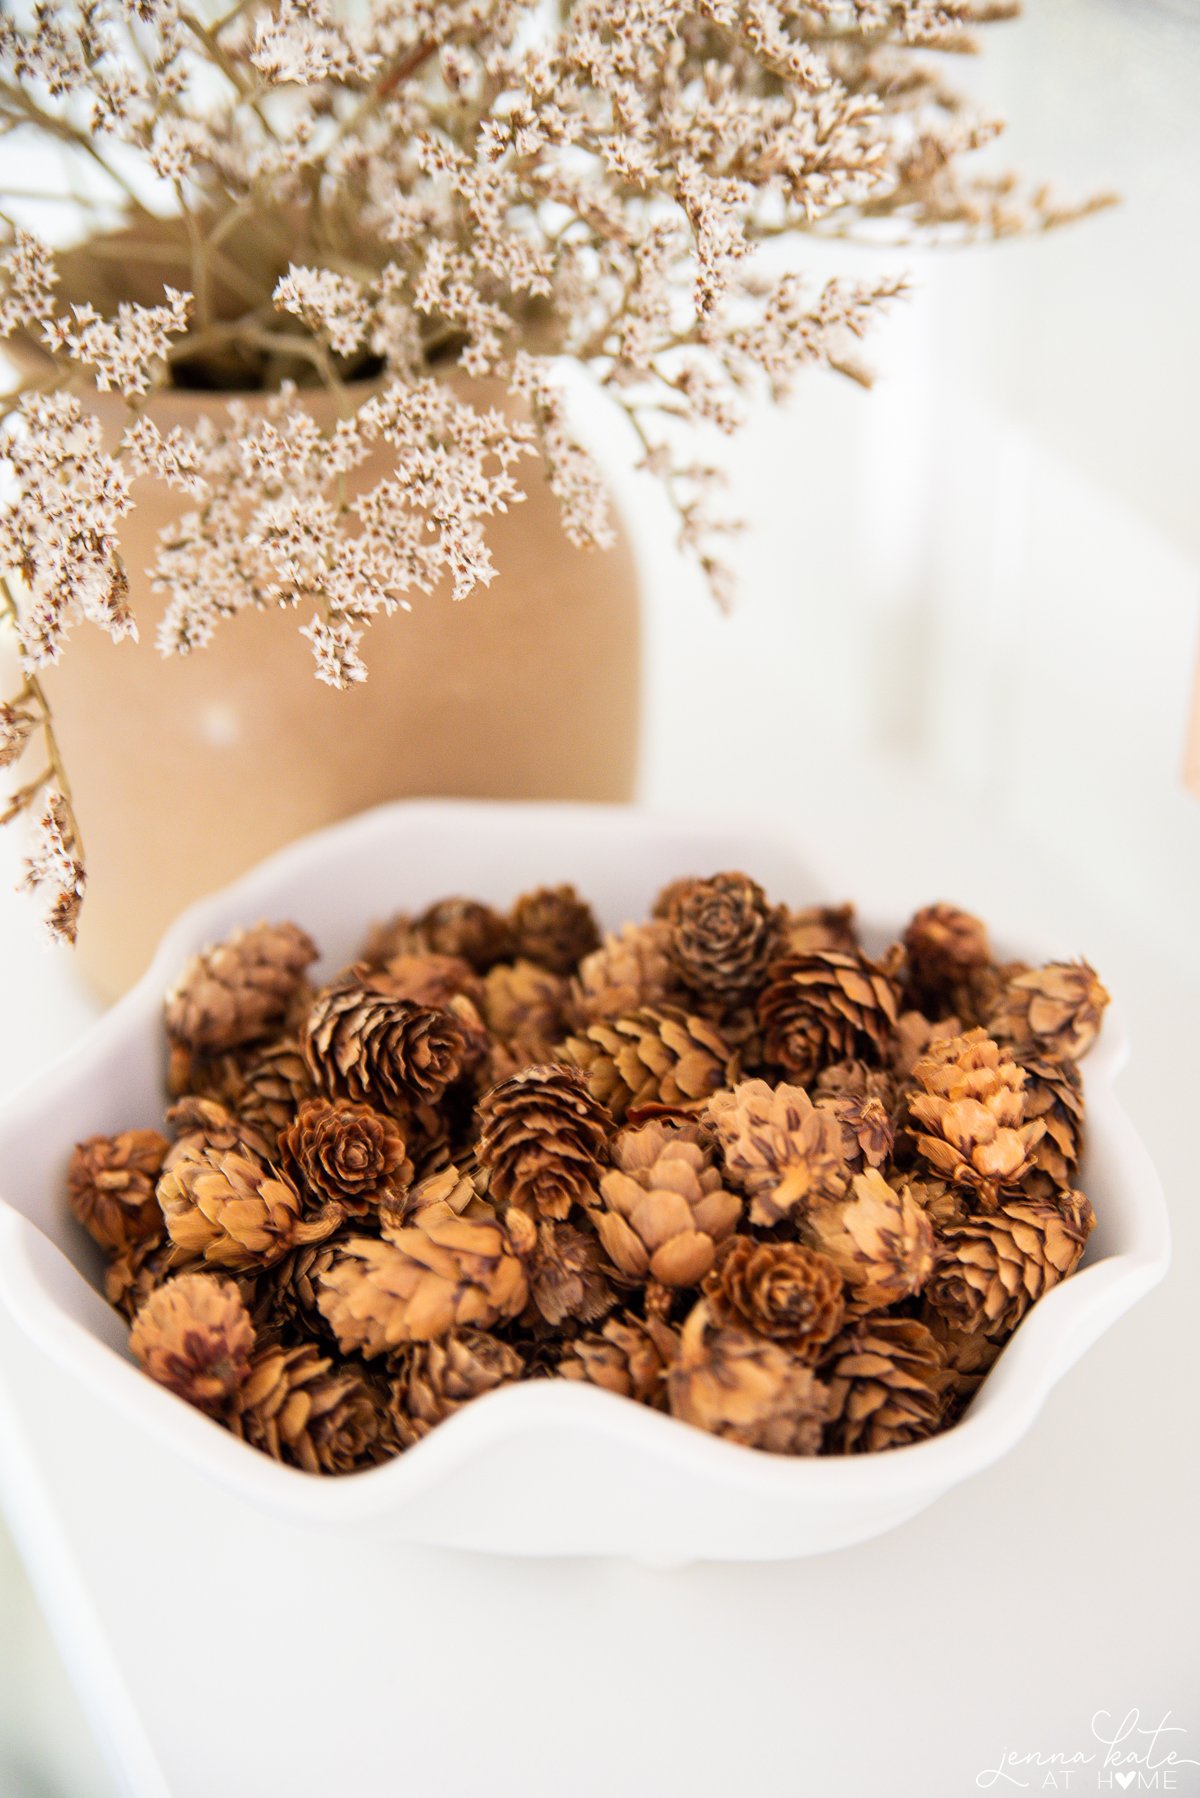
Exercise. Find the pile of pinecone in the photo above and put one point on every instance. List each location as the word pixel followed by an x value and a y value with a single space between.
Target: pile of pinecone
pixel 721 1162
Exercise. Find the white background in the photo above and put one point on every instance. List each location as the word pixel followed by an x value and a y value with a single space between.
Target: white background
pixel 962 666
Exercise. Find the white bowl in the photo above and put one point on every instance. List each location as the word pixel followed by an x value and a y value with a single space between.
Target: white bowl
pixel 549 1468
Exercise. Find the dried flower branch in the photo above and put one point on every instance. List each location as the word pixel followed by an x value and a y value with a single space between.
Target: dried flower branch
pixel 293 194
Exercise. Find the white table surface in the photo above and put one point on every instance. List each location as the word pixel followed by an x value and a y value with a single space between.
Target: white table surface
pixel 1059 1584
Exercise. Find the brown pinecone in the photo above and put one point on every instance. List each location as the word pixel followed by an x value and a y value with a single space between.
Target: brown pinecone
pixel 824 1007
pixel 629 970
pixel 285 1294
pixel 945 947
pixel 879 1238
pixel 1054 1012
pixel 299 1408
pixel 348 1154
pixel 886 1384
pixel 942 1202
pixel 867 1133
pixel 437 1378
pixel 440 1272
pixel 387 1052
pixel 856 1079
pixel 820 927
pixel 968 1358
pixel 276 1084
pixel 915 1038
pixel 659 1055
pixel 203 1124
pixel 137 1271
pixel 542 1138
pixel 990 1270
pixel 397 935
pixel 240 989
pixel 778 1289
pixel 969 1116
pixel 629 1355
pixel 526 1006
pixel 220 1077
pixel 665 1208
pixel 722 934
pixel 231 1208
pixel 454 1185
pixel 427 979
pixel 554 927
pixel 782 1151
pixel 1054 1094
pixel 745 1387
pixel 468 929
pixel 563 1266
pixel 110 1187
pixel 194 1336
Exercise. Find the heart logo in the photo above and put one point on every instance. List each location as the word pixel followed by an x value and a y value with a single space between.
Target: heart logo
pixel 1125 1780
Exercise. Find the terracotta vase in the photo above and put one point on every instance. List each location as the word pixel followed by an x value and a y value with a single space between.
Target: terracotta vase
pixel 187 770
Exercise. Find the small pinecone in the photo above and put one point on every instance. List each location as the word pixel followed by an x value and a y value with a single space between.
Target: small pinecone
pixel 722 934
pixel 438 1273
pixel 659 1055
pixel 299 1408
pixel 526 1006
pixel 783 1151
pixel 990 1270
pixel 854 1079
pixel 886 1383
pixel 229 1207
pixel 427 979
pixel 203 1124
pixel 1054 1094
pixel 824 1007
pixel 629 970
pixel 1055 1011
pixel 348 1154
pixel 745 1387
pixel 438 1378
pixel 629 1355
pixel 277 1083
pixel 137 1271
pixel 110 1187
pixel 194 1336
pixel 542 1137
pixel 666 899
pixel 286 1293
pixel 942 1202
pixel 397 935
pixel 879 1238
pixel 915 1038
pixel 453 1185
pixel 968 1358
pixel 970 1117
pixel 945 947
pixel 467 929
pixel 554 927
pixel 665 1208
pixel 240 989
pixel 868 1137
pixel 220 1077
pixel 778 1289
pixel 564 1268
pixel 820 927
pixel 386 1052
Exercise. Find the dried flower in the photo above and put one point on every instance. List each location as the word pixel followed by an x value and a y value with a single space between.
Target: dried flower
pixel 471 190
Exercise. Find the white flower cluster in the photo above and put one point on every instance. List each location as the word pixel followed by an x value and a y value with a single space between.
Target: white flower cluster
pixel 370 198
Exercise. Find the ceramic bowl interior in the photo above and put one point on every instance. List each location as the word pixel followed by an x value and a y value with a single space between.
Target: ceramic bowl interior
pixel 628 1480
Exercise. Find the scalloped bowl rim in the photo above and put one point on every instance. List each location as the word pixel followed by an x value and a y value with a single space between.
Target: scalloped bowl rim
pixel 1057 1329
